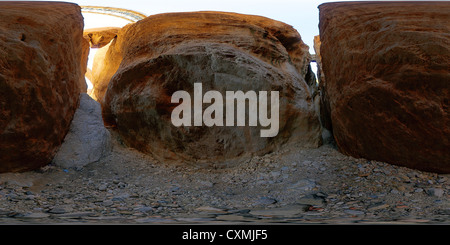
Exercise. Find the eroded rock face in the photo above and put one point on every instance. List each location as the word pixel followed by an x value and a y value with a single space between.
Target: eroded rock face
pixel 324 110
pixel 40 80
pixel 100 37
pixel 166 53
pixel 87 140
pixel 387 70
pixel 101 73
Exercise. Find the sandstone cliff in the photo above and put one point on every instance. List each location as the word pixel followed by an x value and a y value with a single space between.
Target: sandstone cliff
pixel 41 76
pixel 387 80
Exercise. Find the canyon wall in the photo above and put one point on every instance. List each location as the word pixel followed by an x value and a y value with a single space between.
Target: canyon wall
pixel 41 77
pixel 386 80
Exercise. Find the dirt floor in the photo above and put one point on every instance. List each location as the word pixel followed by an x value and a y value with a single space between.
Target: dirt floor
pixel 295 185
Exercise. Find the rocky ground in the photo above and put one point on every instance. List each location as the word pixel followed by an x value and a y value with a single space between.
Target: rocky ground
pixel 293 186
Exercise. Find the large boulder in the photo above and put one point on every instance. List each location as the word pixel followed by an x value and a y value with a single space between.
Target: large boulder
pixel 40 80
pixel 162 54
pixel 88 140
pixel 387 80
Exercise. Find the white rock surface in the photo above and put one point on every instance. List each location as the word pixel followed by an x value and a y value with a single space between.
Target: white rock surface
pixel 88 140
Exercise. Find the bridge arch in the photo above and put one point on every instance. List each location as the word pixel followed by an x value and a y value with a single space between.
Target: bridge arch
pixel 126 14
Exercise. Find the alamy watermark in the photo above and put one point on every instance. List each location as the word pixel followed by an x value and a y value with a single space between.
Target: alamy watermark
pixel 214 114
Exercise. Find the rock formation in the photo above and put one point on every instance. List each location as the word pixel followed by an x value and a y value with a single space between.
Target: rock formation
pixel 100 73
pixel 40 80
pixel 84 62
pixel 387 79
pixel 87 140
pixel 324 110
pixel 153 58
pixel 100 37
pixel 321 106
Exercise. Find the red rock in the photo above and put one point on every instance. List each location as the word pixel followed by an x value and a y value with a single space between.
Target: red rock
pixel 100 37
pixel 84 62
pixel 101 73
pixel 387 79
pixel 323 108
pixel 151 59
pixel 40 80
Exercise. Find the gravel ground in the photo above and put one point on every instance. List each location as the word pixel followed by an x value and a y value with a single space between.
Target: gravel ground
pixel 295 185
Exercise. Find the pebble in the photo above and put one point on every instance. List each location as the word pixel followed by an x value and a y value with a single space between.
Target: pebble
pixel 231 217
pixel 311 200
pixel 36 215
pixel 107 203
pixel 144 209
pixel 275 174
pixel 377 206
pixel 103 187
pixel 304 185
pixel 211 210
pixel 438 192
pixel 155 220
pixel 289 211
pixel 121 197
pixel 196 219
pixel 264 201
pixel 57 210
pixel 208 184
pixel 354 212
pixel 75 215
pixel 264 190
